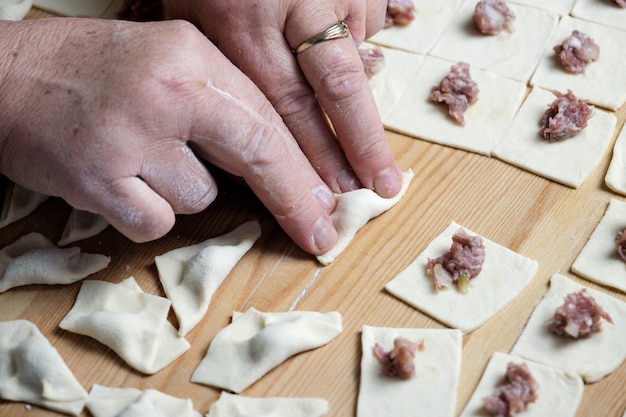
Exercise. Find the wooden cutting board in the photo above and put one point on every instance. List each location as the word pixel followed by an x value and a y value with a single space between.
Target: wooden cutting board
pixel 528 214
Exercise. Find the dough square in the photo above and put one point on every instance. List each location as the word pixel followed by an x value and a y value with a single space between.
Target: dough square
pixel 598 261
pixel 569 161
pixel 503 277
pixel 231 405
pixel 433 389
pixel 604 12
pixel 604 80
pixel 592 358
pixel 486 120
pixel 82 8
pixel 431 19
pixel 559 392
pixel 615 178
pixel 562 7
pixel 509 54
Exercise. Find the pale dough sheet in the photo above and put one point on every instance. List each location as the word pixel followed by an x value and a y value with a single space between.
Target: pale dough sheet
pixel 433 389
pixel 131 402
pixel 604 12
pixel 14 9
pixel 191 275
pixel 485 121
pixel 569 161
pixel 510 54
pixel 592 358
pixel 604 80
pixel 354 209
pixel 559 392
pixel 82 225
pixel 503 277
pixel 132 323
pixel 231 405
pixel 561 7
pixel 615 177
pixel 18 203
pixel 31 370
pixel 257 342
pixel 82 8
pixel 431 19
pixel 598 260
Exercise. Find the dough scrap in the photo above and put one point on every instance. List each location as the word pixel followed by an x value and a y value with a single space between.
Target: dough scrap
pixel 503 277
pixel 559 391
pixel 598 261
pixel 132 323
pixel 561 7
pixel 34 259
pixel 604 80
pixel 570 161
pixel 191 275
pixel 615 178
pixel 592 358
pixel 14 9
pixel 19 202
pixel 256 342
pixel 131 402
pixel 603 12
pixel 231 405
pixel 433 389
pixel 82 225
pixel 31 370
pixel 509 54
pixel 354 209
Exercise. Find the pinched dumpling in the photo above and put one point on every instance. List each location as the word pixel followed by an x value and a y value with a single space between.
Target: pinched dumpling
pixel 14 9
pixel 19 202
pixel 82 225
pixel 230 405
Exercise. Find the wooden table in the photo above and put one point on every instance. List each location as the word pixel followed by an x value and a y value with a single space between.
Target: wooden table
pixel 528 214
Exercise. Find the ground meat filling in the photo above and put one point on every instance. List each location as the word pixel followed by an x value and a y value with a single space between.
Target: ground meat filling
pixel 576 52
pixel 579 316
pixel 492 16
pixel 620 244
pixel 457 90
pixel 373 60
pixel 399 361
pixel 621 3
pixel 399 13
pixel 461 263
pixel 565 117
pixel 517 389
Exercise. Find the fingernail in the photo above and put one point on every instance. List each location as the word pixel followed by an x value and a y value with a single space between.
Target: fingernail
pixel 325 197
pixel 387 183
pixel 348 181
pixel 324 235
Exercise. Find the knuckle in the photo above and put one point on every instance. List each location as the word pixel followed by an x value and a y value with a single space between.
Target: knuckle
pixel 342 80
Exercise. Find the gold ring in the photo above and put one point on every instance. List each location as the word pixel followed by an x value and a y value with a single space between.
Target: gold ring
pixel 337 31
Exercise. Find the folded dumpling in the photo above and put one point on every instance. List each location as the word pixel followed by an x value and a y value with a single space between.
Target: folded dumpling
pixel 19 202
pixel 82 225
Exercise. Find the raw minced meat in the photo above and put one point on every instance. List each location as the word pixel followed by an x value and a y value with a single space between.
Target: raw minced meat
pixel 579 316
pixel 373 60
pixel 399 13
pixel 399 361
pixel 577 51
pixel 492 16
pixel 620 244
pixel 458 90
pixel 517 389
pixel 565 117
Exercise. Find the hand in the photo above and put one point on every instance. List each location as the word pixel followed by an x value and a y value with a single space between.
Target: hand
pixel 259 36
pixel 114 117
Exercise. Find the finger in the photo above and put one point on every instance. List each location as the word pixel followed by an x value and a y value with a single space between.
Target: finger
pixel 375 18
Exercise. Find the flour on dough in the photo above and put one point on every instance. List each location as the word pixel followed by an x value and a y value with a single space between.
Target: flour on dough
pixel 191 275
pixel 19 202
pixel 592 358
pixel 503 277
pixel 32 371
pixel 257 342
pixel 34 259
pixel 598 260
pixel 604 80
pixel 132 323
pixel 82 225
pixel 559 392
pixel 14 9
pixel 231 405
pixel 486 120
pixel 569 161
pixel 603 12
pixel 561 7
pixel 433 389
pixel 615 178
pixel 354 209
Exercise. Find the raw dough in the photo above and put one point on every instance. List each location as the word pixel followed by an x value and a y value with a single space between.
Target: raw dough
pixel 592 358
pixel 256 342
pixel 191 275
pixel 34 259
pixel 31 370
pixel 604 80
pixel 82 8
pixel 604 12
pixel 504 275
pixel 562 7
pixel 82 225
pixel 559 392
pixel 569 161
pixel 132 323
pixel 231 405
pixel 354 209
pixel 486 120
pixel 598 261
pixel 510 54
pixel 14 9
pixel 615 178
pixel 19 202
pixel 433 389
pixel 131 402
pixel 431 19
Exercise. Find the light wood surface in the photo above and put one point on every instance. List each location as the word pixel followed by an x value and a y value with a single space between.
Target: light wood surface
pixel 524 212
